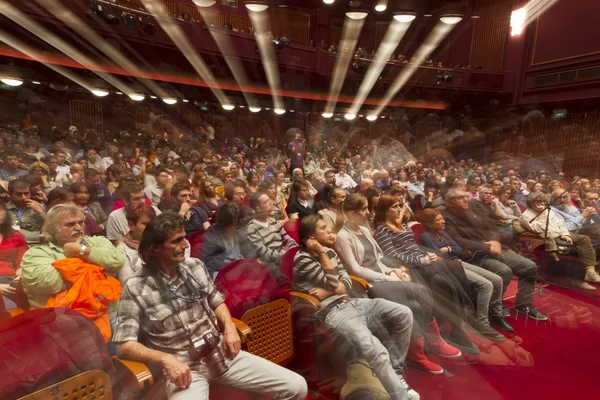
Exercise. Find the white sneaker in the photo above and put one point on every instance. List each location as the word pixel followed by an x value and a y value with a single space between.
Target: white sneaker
pixel 412 394
pixel 581 284
pixel 592 276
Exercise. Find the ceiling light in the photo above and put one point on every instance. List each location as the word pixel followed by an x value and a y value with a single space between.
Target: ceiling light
pixel 475 17
pixel 11 81
pixel 350 117
pixel 137 96
pixel 254 109
pixel 428 15
pixel 242 106
pixel 381 7
pixel 405 17
pixel 36 82
pixel 153 97
pixel 186 101
pixel 204 3
pixel 119 92
pixel 371 117
pixel 268 109
pixel 279 111
pixel 170 100
pixel 327 115
pixel 256 6
pixel 328 1
pixel 451 19
pixel 356 14
pixel 100 92
pixel 292 111
pixel 228 107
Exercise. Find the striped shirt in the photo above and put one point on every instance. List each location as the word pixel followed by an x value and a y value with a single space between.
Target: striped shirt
pixel 400 245
pixel 309 274
pixel 270 241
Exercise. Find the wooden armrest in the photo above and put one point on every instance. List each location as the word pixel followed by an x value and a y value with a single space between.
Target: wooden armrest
pixel 136 375
pixel 308 298
pixel 362 282
pixel 15 312
pixel 243 330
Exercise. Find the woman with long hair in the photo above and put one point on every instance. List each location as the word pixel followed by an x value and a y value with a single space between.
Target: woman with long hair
pixel 12 248
pixel 446 278
pixel 362 256
pixel 208 199
pixel 252 180
pixel 487 286
pixel 95 217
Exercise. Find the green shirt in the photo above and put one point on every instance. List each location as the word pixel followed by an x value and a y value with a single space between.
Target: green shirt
pixel 42 281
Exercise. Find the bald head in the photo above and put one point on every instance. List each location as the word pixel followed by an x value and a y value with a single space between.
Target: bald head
pixel 365 184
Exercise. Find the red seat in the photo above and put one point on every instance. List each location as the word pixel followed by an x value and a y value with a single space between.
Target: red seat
pixel 418 230
pixel 286 265
pixel 291 228
pixel 196 240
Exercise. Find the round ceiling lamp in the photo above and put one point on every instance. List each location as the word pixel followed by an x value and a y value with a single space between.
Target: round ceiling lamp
pixel 170 100
pixel 254 109
pixel 256 6
pixel 405 17
pixel 328 1
pixel 279 111
pixel 371 117
pixel 11 81
pixel 381 6
pixel 137 96
pixel 350 117
pixel 357 14
pixel 228 107
pixel 451 19
pixel 99 92
pixel 327 115
pixel 204 3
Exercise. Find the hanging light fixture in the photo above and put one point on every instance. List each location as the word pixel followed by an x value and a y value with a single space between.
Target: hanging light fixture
pixel 327 115
pixel 137 96
pixel 279 111
pixel 99 92
pixel 204 3
pixel 371 117
pixel 350 117
pixel 228 107
pixel 357 14
pixel 254 109
pixel 381 5
pixel 328 1
pixel 405 16
pixel 451 19
pixel 170 100
pixel 36 82
pixel 11 81
pixel 256 6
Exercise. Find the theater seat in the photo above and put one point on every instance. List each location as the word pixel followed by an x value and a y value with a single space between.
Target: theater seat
pixel 291 228
pixel 93 384
pixel 196 240
pixel 418 230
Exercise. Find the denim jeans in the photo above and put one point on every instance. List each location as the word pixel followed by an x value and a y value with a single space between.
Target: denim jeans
pixel 390 322
pixel 488 289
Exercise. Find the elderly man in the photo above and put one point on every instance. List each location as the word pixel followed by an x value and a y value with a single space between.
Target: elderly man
pixel 483 241
pixel 26 215
pixel 365 184
pixel 384 180
pixel 179 334
pixel 63 231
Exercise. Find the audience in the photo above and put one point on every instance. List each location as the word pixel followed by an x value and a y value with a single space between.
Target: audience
pixel 26 215
pixel 12 248
pixel 302 204
pixel 138 217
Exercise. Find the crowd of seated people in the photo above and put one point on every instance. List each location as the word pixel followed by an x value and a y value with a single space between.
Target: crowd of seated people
pixel 352 213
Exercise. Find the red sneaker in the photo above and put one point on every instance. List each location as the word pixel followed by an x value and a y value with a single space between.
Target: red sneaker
pixel 436 344
pixel 416 357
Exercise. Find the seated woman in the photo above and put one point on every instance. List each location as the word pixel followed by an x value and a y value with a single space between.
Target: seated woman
pixel 95 217
pixel 361 256
pixel 269 187
pixel 12 248
pixel 509 210
pixel 486 285
pixel 557 231
pixel 446 278
pixel 224 241
pixel 208 199
pixel 433 196
pixel 252 179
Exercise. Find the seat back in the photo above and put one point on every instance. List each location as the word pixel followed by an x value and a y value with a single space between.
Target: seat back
pixel 286 266
pixel 418 230
pixel 247 284
pixel 272 333
pixel 196 240
pixel 87 385
pixel 292 228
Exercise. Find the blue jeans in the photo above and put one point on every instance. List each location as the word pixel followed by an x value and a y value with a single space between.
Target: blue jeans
pixel 392 325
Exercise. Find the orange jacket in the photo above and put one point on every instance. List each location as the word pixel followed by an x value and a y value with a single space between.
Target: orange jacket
pixel 90 293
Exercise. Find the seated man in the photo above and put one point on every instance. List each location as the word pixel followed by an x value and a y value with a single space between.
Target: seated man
pixel 303 203
pixel 329 182
pixel 11 170
pixel 184 336
pixel 63 231
pixel 318 271
pixel 224 241
pixel 154 192
pixel 268 238
pixel 236 193
pixel 483 242
pixel 591 224
pixel 117 226
pixel 26 215
pixel 137 217
pixel 194 218
pixel 343 180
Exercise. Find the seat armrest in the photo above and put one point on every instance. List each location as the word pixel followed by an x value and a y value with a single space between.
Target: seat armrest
pixel 307 298
pixel 136 375
pixel 243 330
pixel 361 282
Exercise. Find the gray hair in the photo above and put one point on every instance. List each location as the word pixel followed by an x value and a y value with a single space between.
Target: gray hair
pixel 484 186
pixel 536 196
pixel 297 170
pixel 453 194
pixel 54 216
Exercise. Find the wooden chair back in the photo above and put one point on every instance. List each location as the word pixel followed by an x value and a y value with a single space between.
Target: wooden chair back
pixel 92 384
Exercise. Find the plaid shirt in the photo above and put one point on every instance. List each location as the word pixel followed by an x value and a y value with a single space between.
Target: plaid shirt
pixel 143 308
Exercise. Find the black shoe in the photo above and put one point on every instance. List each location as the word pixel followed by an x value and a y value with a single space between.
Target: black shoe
pixel 531 312
pixel 486 331
pixel 501 323
pixel 505 311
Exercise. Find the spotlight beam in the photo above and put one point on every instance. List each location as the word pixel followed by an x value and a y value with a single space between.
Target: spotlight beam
pixel 439 32
pixel 50 38
pixel 350 33
pixel 29 51
pixel 535 8
pixel 79 26
pixel 174 31
pixel 260 21
pixel 393 36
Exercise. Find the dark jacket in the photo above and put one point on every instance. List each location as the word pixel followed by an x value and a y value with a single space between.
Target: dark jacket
pixel 214 252
pixel 469 230
pixel 295 207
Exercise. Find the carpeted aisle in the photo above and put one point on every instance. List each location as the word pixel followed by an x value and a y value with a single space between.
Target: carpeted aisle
pixel 558 359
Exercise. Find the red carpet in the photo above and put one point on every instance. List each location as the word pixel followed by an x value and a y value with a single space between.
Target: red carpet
pixel 557 359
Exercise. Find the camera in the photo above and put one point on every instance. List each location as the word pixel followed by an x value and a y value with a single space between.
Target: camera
pixel 208 348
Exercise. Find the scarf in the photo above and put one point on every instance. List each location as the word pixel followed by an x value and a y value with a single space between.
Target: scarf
pixel 129 241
